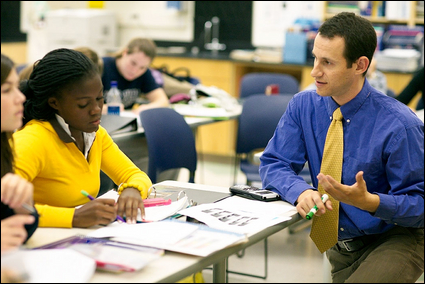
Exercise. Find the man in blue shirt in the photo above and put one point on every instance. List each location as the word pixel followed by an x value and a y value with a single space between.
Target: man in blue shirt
pixel 381 194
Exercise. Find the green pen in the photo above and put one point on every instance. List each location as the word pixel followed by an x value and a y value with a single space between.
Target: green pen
pixel 314 209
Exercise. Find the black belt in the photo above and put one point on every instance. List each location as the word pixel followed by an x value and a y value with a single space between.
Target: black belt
pixel 356 243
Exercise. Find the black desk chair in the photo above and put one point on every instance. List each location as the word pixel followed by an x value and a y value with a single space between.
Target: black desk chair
pixel 256 83
pixel 171 143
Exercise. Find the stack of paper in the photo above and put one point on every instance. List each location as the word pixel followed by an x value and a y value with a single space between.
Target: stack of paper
pixel 405 60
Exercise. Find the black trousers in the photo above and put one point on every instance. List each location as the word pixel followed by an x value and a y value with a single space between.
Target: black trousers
pixel 397 256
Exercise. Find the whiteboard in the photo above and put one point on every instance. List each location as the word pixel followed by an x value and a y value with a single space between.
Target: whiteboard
pixel 271 19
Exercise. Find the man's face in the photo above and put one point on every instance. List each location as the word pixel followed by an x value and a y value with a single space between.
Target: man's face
pixel 330 72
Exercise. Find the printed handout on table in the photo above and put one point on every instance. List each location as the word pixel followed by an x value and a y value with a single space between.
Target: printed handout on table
pixel 241 215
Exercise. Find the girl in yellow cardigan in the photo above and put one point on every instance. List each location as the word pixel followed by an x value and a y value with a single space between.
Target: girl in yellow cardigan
pixel 62 147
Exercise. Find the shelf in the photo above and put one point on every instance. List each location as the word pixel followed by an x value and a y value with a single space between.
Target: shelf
pixel 413 19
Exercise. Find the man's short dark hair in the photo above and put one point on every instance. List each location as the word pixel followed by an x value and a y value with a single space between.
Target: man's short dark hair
pixel 357 32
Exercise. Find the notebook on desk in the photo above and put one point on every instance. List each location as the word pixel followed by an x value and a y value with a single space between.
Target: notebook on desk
pixel 116 124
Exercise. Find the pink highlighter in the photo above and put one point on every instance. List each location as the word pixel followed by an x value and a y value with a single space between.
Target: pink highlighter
pixel 156 202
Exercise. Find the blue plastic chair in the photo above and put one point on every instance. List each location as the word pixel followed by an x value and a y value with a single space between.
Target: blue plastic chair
pixel 256 83
pixel 171 143
pixel 391 93
pixel 257 123
pixel 21 67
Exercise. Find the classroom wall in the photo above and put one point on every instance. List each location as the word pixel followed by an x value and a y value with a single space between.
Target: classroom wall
pixel 271 19
pixel 134 18
pixel 152 19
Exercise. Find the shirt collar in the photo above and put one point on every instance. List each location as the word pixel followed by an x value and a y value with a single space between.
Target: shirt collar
pixel 349 109
pixel 88 137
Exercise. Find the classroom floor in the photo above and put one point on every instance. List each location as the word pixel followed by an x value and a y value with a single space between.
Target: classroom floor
pixel 292 255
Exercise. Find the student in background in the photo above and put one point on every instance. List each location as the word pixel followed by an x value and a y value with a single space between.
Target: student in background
pixel 62 147
pixel 376 78
pixel 130 68
pixel 415 85
pixel 90 53
pixel 381 193
pixel 17 224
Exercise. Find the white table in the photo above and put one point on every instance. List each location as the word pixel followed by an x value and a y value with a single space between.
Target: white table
pixel 194 120
pixel 172 266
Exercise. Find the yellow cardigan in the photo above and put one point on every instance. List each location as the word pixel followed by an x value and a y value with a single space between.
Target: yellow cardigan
pixel 47 156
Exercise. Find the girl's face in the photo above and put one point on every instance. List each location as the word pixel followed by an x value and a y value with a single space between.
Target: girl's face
pixel 12 100
pixel 81 105
pixel 134 65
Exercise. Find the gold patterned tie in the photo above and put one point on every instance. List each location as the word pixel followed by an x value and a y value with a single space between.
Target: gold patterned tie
pixel 324 230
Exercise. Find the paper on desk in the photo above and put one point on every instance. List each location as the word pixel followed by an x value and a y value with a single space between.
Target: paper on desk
pixel 51 265
pixel 131 114
pixel 191 110
pixel 173 235
pixel 241 215
pixel 156 233
pixel 117 258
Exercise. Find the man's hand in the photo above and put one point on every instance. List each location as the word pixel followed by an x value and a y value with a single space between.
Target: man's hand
pixel 308 199
pixel 355 195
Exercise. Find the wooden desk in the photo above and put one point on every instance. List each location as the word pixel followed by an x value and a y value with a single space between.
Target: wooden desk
pixel 172 266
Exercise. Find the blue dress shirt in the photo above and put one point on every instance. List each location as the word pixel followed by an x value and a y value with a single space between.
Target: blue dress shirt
pixel 382 137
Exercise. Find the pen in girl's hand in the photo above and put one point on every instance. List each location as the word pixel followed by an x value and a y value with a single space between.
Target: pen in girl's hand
pixel 29 208
pixel 85 193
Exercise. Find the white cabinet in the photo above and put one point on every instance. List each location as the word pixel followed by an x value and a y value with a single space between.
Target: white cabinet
pixel 71 28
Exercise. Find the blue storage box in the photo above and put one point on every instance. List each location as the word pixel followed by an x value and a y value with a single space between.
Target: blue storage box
pixel 295 49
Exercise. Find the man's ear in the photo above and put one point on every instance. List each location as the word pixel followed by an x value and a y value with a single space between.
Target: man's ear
pixel 53 102
pixel 362 64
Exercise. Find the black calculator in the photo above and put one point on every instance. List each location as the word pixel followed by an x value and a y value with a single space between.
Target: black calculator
pixel 253 192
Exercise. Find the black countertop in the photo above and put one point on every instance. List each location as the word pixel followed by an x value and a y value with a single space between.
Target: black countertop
pixel 221 55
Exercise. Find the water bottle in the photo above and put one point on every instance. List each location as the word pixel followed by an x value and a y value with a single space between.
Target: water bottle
pixel 114 99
